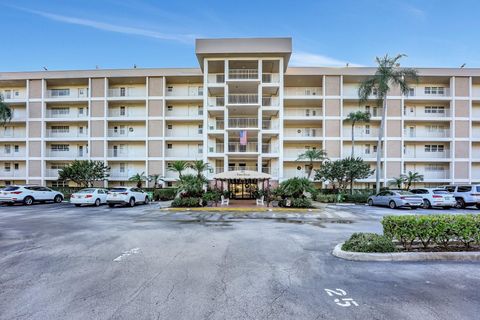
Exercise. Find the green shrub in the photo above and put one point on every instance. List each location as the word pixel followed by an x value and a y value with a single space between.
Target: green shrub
pixel 213 196
pixel 327 198
pixel 356 197
pixel 369 242
pixel 164 194
pixel 440 229
pixel 187 202
pixel 301 203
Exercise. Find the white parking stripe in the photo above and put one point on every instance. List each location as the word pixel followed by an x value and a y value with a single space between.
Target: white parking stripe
pixel 126 254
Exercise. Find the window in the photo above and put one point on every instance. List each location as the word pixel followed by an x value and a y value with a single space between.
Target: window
pixel 15 166
pixel 169 146
pixel 59 183
pixel 169 108
pixel 169 165
pixel 122 167
pixel 122 111
pixel 200 111
pixel 434 148
pixel 59 92
pixel 200 129
pixel 367 149
pixel 435 109
pixel 169 89
pixel 122 92
pixel 411 91
pixel 58 166
pixel 60 147
pixel 367 129
pixel 169 127
pixel 434 90
pixel 464 189
pixel 374 149
pixel 7 149
pixel 169 184
pixel 434 167
pixel 200 148
pixel 7 167
pixel 16 148
pixel 60 129
pixel 60 111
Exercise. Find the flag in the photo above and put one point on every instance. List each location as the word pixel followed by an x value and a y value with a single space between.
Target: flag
pixel 243 137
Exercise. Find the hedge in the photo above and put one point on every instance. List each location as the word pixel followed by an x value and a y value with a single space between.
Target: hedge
pixel 440 230
pixel 369 242
pixel 187 202
pixel 164 194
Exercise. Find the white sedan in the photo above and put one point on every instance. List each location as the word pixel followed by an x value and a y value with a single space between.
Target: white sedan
pixel 435 197
pixel 89 196
pixel 126 195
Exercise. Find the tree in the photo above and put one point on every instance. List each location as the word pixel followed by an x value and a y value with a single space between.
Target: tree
pixel 354 117
pixel 138 179
pixel 190 185
pixel 388 73
pixel 296 187
pixel 332 172
pixel 412 177
pixel 356 169
pixel 312 155
pixel 155 178
pixel 178 166
pixel 199 167
pixel 397 181
pixel 5 113
pixel 84 172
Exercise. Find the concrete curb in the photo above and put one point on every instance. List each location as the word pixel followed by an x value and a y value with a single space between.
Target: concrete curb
pixel 232 209
pixel 405 256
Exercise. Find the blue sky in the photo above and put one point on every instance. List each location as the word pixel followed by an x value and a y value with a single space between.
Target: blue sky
pixel 82 34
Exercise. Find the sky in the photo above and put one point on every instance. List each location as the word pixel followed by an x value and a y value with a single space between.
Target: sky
pixel 85 34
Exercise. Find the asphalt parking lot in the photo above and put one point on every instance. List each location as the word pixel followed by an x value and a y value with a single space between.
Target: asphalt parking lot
pixel 62 262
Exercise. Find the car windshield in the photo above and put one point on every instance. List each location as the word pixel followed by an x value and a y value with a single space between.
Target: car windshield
pixel 440 192
pixel 477 188
pixel 86 191
pixel 11 188
pixel 405 193
pixel 118 189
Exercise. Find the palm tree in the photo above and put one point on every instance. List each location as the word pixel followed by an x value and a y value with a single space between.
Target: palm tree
pixel 199 166
pixel 178 166
pixel 397 181
pixel 5 113
pixel 388 73
pixel 312 155
pixel 412 177
pixel 354 117
pixel 138 179
pixel 155 178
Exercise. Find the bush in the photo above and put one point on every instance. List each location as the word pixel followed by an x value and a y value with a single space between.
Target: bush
pixel 369 242
pixel 187 202
pixel 164 194
pixel 438 229
pixel 211 196
pixel 301 203
pixel 356 197
pixel 327 198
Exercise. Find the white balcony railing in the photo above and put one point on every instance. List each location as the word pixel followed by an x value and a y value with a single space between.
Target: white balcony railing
pixel 216 101
pixel 374 112
pixel 303 112
pixel 303 91
pixel 11 133
pixel 269 148
pixel 238 147
pixel 433 92
pixel 124 174
pixel 185 132
pixel 18 114
pixel 269 125
pixel 347 152
pixel 435 174
pixel 361 133
pixel 414 154
pixel 69 134
pixel 126 92
pixel 8 95
pixel 243 98
pixel 65 114
pixel 217 125
pixel 12 173
pixel 52 173
pixel 115 133
pixel 181 153
pixel 137 112
pixel 74 93
pixel 119 153
pixel 12 153
pixel 420 112
pixel 216 78
pixel 216 148
pixel 270 101
pixel 243 123
pixel 243 74
pixel 270 78
pixel 303 132
pixel 242 168
pixel 442 133
pixel 66 154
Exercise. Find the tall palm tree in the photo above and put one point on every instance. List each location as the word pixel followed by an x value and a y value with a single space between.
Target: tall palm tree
pixel 178 166
pixel 5 113
pixel 199 167
pixel 312 155
pixel 388 74
pixel 412 177
pixel 138 179
pixel 397 181
pixel 354 117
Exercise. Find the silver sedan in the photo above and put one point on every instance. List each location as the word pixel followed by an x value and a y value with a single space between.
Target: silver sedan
pixel 395 199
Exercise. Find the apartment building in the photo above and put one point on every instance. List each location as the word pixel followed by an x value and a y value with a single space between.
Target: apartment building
pixel 243 109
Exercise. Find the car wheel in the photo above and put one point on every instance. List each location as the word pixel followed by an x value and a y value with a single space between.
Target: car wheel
pixel 58 198
pixel 478 206
pixel 131 203
pixel 460 203
pixel 370 202
pixel 392 204
pixel 28 201
pixel 77 205
pixel 97 202
pixel 146 200
pixel 426 204
pixel 111 205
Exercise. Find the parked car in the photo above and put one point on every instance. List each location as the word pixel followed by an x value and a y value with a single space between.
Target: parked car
pixel 126 195
pixel 465 195
pixel 89 196
pixel 435 197
pixel 395 199
pixel 29 194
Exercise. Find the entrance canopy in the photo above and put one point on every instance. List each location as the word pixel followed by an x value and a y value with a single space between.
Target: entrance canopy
pixel 242 175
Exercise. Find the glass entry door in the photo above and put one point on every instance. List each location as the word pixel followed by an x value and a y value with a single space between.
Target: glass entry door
pixel 242 189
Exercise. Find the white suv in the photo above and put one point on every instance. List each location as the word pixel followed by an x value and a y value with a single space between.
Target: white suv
pixel 466 195
pixel 126 195
pixel 435 197
pixel 29 194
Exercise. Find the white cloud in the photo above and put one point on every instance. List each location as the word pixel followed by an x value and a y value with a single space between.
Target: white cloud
pixel 184 38
pixel 306 59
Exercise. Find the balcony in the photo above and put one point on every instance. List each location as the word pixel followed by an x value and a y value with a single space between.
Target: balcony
pixel 242 148
pixel 361 133
pixel 124 173
pixel 80 93
pixel 216 102
pixel 441 133
pixel 302 91
pixel 216 78
pixel 12 173
pixel 12 95
pixel 374 112
pixel 66 154
pixel 243 74
pixel 119 113
pixel 270 101
pixel 269 148
pixel 347 152
pixel 270 171
pixel 52 173
pixel 248 98
pixel 243 123
pixel 268 78
pixel 184 153
pixel 269 125
pixel 126 92
pixel 242 168
pixel 6 133
pixel 18 115
pixel 182 91
pixel 65 114
pixel 427 113
pixel 12 154
pixel 122 153
pixel 302 112
pixel 216 125
pixel 303 132
pixel 218 148
pixel 416 154
pixel 68 134
pixel 435 174
pixel 124 133
pixel 428 92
